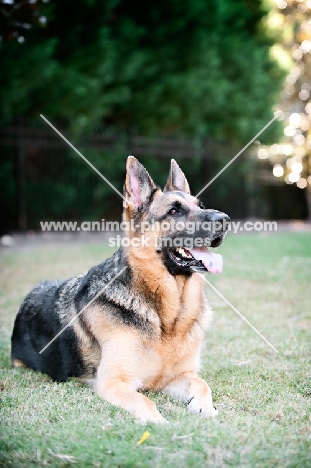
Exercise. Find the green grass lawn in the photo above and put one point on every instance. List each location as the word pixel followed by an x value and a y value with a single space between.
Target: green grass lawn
pixel 264 398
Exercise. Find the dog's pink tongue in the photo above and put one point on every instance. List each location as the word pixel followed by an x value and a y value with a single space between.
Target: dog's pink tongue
pixel 212 262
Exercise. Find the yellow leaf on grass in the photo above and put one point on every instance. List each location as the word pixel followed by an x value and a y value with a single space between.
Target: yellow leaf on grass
pixel 143 438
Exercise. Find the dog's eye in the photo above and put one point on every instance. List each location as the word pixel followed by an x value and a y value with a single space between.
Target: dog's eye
pixel 173 211
pixel 203 204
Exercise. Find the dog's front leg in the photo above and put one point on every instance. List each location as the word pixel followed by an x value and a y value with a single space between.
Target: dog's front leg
pixel 195 391
pixel 119 389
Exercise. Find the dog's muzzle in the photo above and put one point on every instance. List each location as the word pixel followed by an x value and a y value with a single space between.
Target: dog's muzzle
pixel 211 229
pixel 215 224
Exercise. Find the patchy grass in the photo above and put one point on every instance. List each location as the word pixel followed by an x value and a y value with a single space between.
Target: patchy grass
pixel 264 398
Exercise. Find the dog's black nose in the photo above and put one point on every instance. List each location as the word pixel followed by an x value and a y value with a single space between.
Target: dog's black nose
pixel 218 216
pixel 218 223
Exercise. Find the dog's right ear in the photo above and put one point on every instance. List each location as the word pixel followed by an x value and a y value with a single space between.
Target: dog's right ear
pixel 138 183
pixel 176 179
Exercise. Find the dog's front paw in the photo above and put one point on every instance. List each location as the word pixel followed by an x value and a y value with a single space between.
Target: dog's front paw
pixel 205 407
pixel 154 417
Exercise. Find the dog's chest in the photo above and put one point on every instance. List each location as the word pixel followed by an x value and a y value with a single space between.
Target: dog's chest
pixel 172 356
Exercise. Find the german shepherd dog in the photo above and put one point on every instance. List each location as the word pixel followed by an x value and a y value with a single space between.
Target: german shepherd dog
pixel 145 329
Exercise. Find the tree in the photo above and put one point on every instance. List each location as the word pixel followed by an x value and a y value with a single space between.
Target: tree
pixel 291 158
pixel 170 66
pixel 196 67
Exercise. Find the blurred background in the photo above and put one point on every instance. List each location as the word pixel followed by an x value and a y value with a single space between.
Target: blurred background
pixel 192 80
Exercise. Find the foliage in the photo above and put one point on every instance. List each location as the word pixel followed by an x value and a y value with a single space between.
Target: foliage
pixel 193 66
pixel 168 67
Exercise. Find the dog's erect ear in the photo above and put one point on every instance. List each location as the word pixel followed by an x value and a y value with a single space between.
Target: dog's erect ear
pixel 176 179
pixel 138 183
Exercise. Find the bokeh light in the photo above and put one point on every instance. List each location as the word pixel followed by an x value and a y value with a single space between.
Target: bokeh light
pixel 263 153
pixel 278 170
pixel 293 177
pixel 302 183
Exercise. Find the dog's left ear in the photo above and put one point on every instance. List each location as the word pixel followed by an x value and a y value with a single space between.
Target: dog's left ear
pixel 176 180
pixel 138 183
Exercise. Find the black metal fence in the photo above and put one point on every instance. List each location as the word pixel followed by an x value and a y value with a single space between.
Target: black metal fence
pixel 42 178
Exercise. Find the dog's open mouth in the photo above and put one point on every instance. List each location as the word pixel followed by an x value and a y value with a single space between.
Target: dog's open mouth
pixel 201 259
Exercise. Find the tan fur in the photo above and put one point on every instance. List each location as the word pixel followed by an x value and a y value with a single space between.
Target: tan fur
pixel 130 361
pixel 137 320
pixel 176 307
pixel 18 363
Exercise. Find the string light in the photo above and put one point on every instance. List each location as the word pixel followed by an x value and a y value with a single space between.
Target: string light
pixel 299 139
pixel 287 149
pixel 291 157
pixel 302 183
pixel 281 4
pixel 262 153
pixel 289 131
pixel 297 54
pixel 278 170
pixel 305 46
pixel 304 125
pixel 294 120
pixel 297 167
pixel 303 95
pixel 293 177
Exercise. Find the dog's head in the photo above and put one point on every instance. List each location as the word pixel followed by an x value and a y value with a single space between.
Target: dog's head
pixel 172 223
